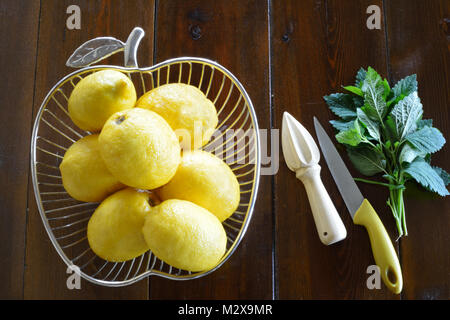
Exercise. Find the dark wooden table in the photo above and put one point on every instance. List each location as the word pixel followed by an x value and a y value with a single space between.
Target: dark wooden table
pixel 288 54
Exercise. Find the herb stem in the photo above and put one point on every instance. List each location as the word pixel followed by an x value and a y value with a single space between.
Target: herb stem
pixel 396 203
pixel 403 214
pixel 390 186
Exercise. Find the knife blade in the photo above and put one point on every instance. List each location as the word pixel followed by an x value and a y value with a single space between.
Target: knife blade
pixel 362 213
pixel 302 157
pixel 353 198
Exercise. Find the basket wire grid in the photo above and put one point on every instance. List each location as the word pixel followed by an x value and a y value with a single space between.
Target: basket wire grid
pixel 65 219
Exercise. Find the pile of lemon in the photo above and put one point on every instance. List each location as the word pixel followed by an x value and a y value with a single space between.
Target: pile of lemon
pixel 155 194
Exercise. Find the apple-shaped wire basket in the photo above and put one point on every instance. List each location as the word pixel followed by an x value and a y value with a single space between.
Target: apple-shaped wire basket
pixel 65 219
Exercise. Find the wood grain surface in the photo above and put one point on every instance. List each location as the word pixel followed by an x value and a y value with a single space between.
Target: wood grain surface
pixel 18 31
pixel 235 34
pixel 288 55
pixel 310 59
pixel 419 35
pixel 45 274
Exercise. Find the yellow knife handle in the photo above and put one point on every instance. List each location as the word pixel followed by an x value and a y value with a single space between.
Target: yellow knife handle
pixel 382 248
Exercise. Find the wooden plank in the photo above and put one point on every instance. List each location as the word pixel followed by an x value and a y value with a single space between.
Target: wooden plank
pixel 45 276
pixel 418 34
pixel 235 34
pixel 318 46
pixel 18 31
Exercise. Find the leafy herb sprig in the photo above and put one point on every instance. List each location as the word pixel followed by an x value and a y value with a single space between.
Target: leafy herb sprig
pixel 384 133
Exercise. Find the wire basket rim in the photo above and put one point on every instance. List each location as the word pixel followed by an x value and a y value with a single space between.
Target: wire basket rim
pixel 149 272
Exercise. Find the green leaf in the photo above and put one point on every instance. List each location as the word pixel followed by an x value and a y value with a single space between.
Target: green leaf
pixel 426 176
pixel 371 79
pixel 372 127
pixel 340 125
pixel 366 160
pixel 390 129
pixel 427 139
pixel 409 153
pixel 405 115
pixel 358 101
pixel 342 105
pixel 352 136
pixel 406 86
pixel 354 90
pixel 402 89
pixel 373 89
pixel 424 123
pixel 360 77
pixel 394 100
pixel 443 174
pixel 387 89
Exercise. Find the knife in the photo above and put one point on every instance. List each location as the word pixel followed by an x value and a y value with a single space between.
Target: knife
pixel 302 156
pixel 362 213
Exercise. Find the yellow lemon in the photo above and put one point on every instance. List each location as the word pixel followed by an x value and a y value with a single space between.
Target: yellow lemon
pixel 187 110
pixel 96 97
pixel 115 229
pixel 84 174
pixel 206 180
pixel 185 235
pixel 139 148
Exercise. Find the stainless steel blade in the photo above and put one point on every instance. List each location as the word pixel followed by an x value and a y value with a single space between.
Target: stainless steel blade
pixel 347 187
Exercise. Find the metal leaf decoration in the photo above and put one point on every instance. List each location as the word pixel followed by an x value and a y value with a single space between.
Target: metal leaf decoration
pixel 94 50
